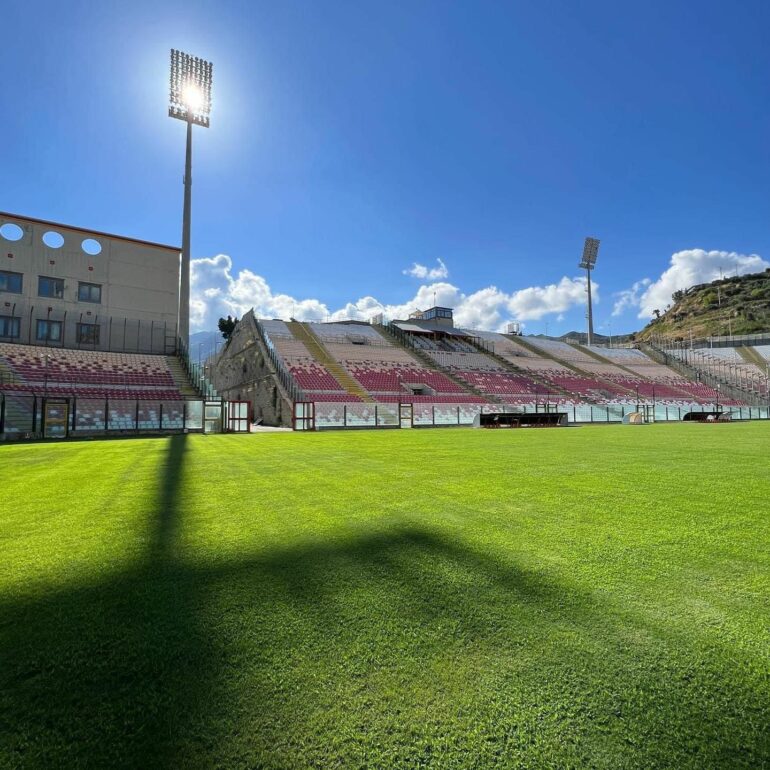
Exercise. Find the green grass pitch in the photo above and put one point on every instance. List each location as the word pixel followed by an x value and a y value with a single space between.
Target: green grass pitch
pixel 588 597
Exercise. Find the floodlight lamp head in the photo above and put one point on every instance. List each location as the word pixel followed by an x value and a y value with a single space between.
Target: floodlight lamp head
pixel 190 88
pixel 590 253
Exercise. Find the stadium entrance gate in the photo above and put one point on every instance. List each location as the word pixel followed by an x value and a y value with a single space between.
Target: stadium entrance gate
pixel 303 417
pixel 55 418
pixel 406 415
pixel 212 416
pixel 238 416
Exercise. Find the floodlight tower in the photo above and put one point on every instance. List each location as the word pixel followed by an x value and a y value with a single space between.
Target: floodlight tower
pixel 189 100
pixel 590 253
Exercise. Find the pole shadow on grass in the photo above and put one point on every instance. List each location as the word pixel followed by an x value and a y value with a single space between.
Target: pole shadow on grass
pixel 326 655
pixel 165 520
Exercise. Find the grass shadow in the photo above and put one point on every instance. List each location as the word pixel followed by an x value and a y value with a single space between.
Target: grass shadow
pixel 165 519
pixel 400 649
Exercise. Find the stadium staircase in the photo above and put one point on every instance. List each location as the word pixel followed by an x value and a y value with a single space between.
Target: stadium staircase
pixel 548 387
pixel 402 340
pixel 317 349
pixel 750 356
pixel 181 380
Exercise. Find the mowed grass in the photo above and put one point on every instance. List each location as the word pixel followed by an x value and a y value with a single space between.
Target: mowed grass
pixel 588 597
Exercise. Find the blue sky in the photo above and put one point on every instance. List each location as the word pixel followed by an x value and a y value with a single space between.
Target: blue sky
pixel 351 140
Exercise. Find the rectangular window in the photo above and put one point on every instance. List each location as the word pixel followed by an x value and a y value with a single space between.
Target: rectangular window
pixel 9 326
pixel 50 287
pixel 88 334
pixel 10 282
pixel 48 331
pixel 89 292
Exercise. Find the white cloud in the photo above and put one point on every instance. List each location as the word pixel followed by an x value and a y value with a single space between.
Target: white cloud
pixel 629 298
pixel 688 268
pixel 216 292
pixel 533 303
pixel 431 273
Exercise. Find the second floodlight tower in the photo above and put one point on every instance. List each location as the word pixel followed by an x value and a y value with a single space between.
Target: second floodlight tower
pixel 590 253
pixel 189 100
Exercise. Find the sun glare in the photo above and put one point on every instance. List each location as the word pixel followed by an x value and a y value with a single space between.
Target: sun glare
pixel 193 98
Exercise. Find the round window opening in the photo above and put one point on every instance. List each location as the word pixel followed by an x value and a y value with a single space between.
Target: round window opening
pixel 11 232
pixel 92 247
pixel 53 240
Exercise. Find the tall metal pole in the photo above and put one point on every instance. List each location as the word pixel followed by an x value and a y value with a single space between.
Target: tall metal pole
pixel 190 101
pixel 590 309
pixel 590 253
pixel 184 284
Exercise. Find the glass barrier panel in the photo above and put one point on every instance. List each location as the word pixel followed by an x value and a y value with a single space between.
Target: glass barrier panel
pixel 19 412
pixel 387 414
pixel 149 415
pixel 446 414
pixel 422 414
pixel 360 415
pixel 600 413
pixel 121 415
pixel 89 414
pixel 329 415
pixel 469 412
pixel 173 415
pixel 583 414
pixel 194 415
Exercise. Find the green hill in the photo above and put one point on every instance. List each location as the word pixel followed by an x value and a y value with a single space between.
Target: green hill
pixel 739 305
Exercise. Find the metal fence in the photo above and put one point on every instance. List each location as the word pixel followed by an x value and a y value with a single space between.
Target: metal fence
pixel 89 330
pixel 284 375
pixel 419 415
pixel 25 415
pixel 725 341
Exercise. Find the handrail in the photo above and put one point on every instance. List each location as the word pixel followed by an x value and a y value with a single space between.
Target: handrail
pixel 196 372
pixel 404 338
pixel 737 374
pixel 694 363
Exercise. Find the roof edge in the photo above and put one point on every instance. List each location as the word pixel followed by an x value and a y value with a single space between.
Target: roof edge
pixel 36 220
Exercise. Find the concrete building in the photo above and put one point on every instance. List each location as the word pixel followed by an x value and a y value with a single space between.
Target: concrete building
pixel 65 286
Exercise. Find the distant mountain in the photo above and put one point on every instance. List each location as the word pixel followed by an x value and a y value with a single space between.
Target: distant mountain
pixel 582 338
pixel 203 344
pixel 598 339
pixel 727 306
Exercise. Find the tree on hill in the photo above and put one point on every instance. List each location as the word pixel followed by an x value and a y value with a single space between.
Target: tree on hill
pixel 227 325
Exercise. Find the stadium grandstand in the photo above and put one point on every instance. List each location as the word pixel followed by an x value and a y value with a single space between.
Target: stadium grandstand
pixel 91 342
pixel 425 371
pixel 89 335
